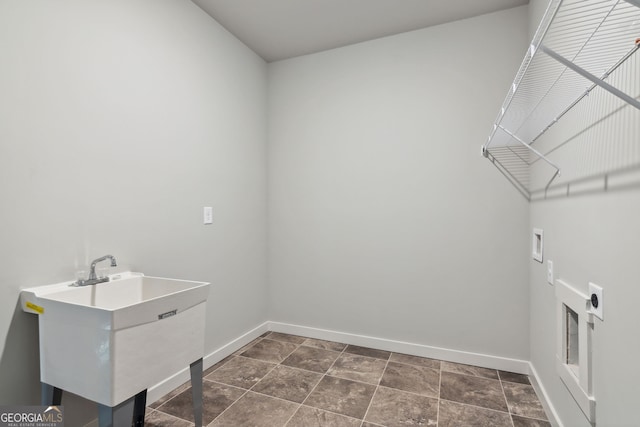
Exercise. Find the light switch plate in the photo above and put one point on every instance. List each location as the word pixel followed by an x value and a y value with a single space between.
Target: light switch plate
pixel 208 215
pixel 550 271
pixel 596 301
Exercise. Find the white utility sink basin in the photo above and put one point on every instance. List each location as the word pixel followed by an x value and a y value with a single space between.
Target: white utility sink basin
pixel 109 341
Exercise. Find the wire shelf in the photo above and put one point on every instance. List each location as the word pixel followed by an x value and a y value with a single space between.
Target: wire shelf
pixel 577 47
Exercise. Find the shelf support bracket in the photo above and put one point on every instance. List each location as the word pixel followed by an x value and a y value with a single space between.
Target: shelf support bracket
pixel 604 85
pixel 530 148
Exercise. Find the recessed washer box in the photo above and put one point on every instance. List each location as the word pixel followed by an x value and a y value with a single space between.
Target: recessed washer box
pixel 538 244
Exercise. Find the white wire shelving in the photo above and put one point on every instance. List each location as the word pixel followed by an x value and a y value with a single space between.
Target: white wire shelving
pixel 577 47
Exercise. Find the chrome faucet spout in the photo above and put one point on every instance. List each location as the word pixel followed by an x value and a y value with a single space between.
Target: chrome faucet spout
pixel 93 279
pixel 92 272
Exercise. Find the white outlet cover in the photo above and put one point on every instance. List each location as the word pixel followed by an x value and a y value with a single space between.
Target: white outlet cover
pixel 550 272
pixel 597 291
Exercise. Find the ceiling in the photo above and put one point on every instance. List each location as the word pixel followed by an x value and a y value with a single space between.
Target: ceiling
pixel 280 29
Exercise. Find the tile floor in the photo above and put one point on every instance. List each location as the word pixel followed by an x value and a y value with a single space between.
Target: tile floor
pixel 286 380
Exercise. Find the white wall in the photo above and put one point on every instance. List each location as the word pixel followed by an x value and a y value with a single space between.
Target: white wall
pixel 593 237
pixel 383 218
pixel 119 121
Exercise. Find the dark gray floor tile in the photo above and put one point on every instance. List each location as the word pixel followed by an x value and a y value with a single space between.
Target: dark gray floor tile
pixel 160 419
pixel 306 416
pixel 528 422
pixel 241 372
pixel 246 347
pixel 523 401
pixel 257 410
pixel 217 365
pixel 472 390
pixel 341 396
pixel 475 371
pixel 170 395
pixel 415 379
pixel 358 368
pixel 456 415
pixel 512 377
pixel 270 350
pixel 216 398
pixel 415 360
pixel 370 352
pixel 288 383
pixel 311 359
pixel 395 408
pixel 279 336
pixel 326 345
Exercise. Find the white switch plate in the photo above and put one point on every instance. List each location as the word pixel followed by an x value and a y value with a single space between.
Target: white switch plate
pixel 595 298
pixel 208 215
pixel 550 271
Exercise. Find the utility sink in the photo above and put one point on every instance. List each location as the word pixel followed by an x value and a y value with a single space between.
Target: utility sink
pixel 109 341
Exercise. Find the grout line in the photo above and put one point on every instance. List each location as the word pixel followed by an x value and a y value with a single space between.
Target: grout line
pixel 322 348
pixel 413 393
pixel 246 347
pixel 172 397
pixel 249 389
pixel 323 376
pixel 227 385
pixel 376 390
pixel 292 415
pixel 173 416
pixel 514 382
pixel 531 418
pixel 321 409
pixel 415 365
pixel 272 369
pixel 507 402
pixel 331 412
pixel 315 386
pixel 476 406
pixel 470 375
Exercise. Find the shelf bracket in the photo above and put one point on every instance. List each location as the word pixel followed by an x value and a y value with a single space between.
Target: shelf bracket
pixel 604 85
pixel 530 148
pixel 634 2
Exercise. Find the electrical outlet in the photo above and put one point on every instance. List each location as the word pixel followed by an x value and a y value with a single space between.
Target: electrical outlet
pixel 596 301
pixel 208 215
pixel 550 272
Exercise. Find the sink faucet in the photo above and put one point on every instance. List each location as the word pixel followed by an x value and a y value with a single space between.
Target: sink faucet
pixel 93 279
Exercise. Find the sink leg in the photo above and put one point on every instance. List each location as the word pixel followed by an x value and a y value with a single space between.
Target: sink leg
pixel 118 416
pixel 50 395
pixel 196 390
pixel 139 408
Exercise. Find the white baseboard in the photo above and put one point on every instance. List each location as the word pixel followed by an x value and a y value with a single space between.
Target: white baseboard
pixel 457 356
pixel 156 392
pixel 549 409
